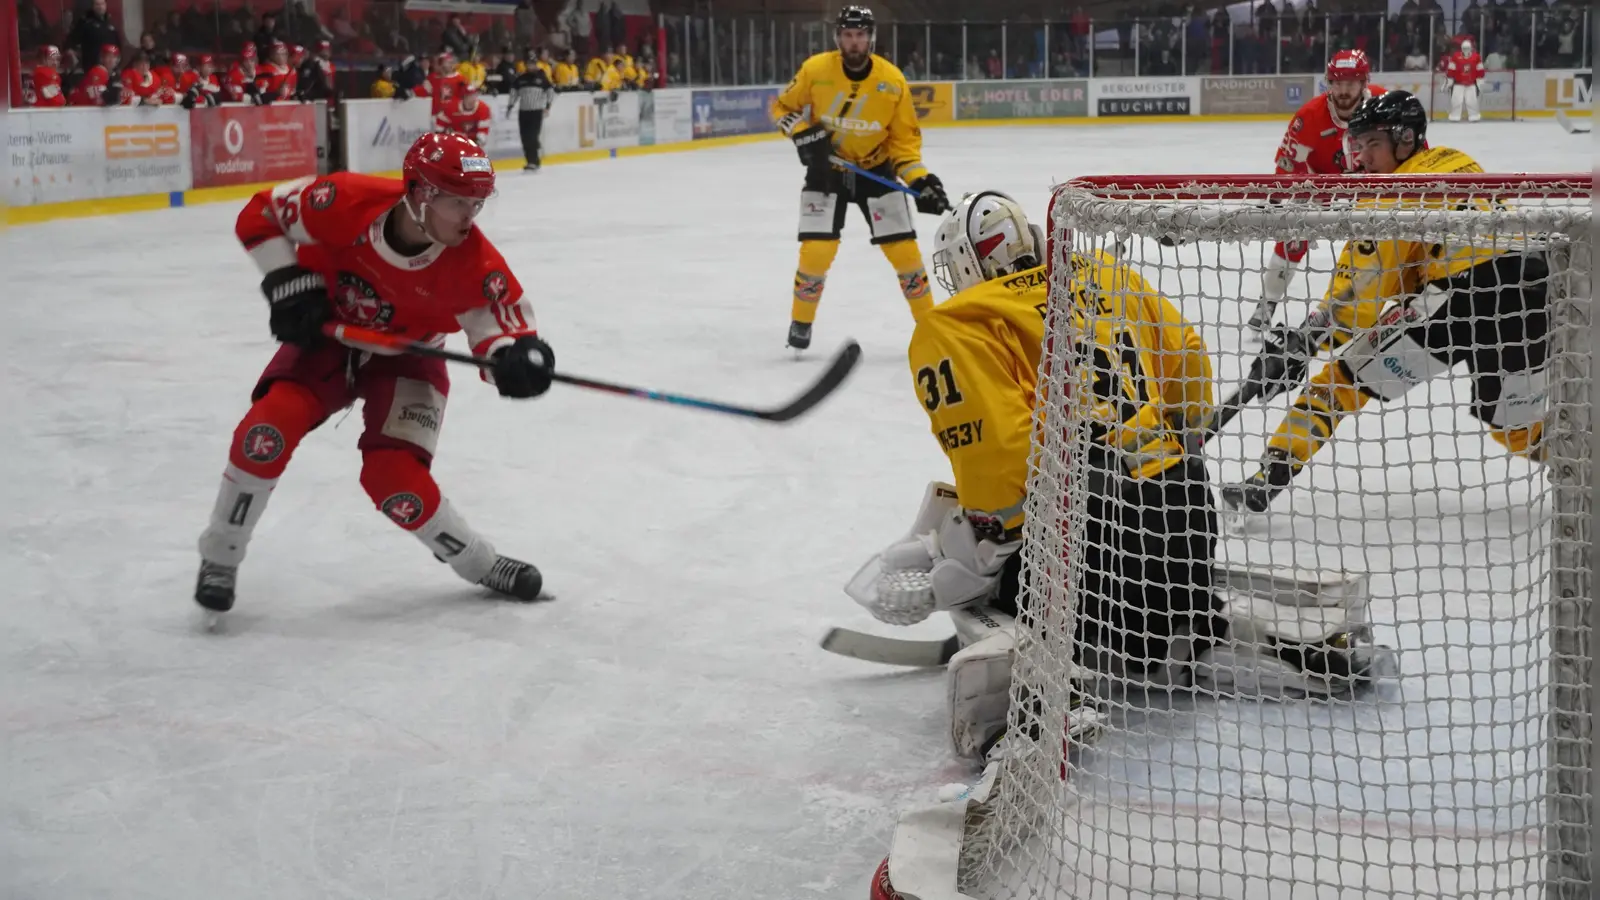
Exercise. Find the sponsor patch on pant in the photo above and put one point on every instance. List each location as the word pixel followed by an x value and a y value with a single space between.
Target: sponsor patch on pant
pixel 262 444
pixel 404 509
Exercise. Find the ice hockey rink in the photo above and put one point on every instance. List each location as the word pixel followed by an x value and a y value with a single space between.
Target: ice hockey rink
pixel 368 727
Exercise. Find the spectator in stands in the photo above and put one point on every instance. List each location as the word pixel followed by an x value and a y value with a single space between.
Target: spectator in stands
pixel 94 30
pixel 456 39
pixel 266 36
pixel 1416 60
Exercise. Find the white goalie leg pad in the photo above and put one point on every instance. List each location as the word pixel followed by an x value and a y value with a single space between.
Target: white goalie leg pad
pixel 891 216
pixel 241 500
pixel 451 539
pixel 1458 98
pixel 1386 361
pixel 1524 399
pixel 816 212
pixel 979 690
pixel 1473 112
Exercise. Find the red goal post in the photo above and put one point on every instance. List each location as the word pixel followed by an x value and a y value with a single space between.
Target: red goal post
pixel 1468 774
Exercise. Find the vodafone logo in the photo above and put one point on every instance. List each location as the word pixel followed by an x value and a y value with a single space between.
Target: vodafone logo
pixel 233 137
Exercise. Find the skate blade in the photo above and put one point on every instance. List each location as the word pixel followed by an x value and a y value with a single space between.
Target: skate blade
pixel 211 621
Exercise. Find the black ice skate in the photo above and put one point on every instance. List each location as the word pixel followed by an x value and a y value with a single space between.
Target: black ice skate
pixel 1257 492
pixel 799 335
pixel 1345 662
pixel 1261 319
pixel 514 578
pixel 213 588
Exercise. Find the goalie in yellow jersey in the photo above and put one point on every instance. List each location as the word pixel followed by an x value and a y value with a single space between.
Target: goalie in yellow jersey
pixel 1146 607
pixel 853 104
pixel 1453 303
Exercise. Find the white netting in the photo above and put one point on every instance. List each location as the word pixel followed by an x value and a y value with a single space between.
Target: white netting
pixel 1464 776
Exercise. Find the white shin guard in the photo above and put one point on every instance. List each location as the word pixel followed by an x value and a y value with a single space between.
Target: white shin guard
pixel 241 500
pixel 450 538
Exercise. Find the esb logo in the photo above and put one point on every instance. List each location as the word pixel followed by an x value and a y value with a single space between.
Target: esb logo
pixel 141 141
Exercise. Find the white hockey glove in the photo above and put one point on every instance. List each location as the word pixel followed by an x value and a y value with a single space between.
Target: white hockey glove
pixel 940 564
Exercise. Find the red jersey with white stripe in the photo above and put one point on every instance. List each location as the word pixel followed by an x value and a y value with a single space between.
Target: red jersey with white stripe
pixel 474 124
pixel 93 84
pixel 1314 143
pixel 1464 67
pixel 335 225
pixel 47 87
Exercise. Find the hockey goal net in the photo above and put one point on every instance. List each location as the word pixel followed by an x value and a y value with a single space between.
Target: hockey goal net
pixel 1465 775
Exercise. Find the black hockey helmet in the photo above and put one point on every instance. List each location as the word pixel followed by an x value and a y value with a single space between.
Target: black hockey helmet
pixel 1394 112
pixel 856 17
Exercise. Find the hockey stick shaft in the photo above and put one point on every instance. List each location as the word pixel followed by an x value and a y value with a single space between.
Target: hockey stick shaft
pixel 1230 408
pixel 838 370
pixel 849 166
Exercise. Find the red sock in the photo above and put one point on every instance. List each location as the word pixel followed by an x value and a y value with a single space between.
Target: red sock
pixel 269 432
pixel 400 486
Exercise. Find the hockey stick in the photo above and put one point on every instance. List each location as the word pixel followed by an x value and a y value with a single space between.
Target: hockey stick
pixel 890 651
pixel 1571 126
pixel 849 166
pixel 838 369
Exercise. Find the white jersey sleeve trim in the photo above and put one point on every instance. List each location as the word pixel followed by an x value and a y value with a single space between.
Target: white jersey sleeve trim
pixel 273 254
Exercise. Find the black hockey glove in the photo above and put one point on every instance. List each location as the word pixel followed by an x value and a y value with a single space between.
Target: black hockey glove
pixel 931 197
pixel 298 299
pixel 1283 361
pixel 814 144
pixel 523 369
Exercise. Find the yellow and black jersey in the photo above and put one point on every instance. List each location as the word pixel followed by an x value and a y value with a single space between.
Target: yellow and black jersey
pixel 871 118
pixel 595 70
pixel 564 74
pixel 975 358
pixel 1371 273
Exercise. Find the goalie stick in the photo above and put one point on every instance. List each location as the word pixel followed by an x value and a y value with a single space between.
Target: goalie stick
pixel 834 375
pixel 1571 126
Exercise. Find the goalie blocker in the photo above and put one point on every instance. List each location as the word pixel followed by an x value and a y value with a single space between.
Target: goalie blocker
pixel 1145 608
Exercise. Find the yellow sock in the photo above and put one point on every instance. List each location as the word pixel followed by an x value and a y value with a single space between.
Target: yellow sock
pixel 816 257
pixel 1329 399
pixel 907 261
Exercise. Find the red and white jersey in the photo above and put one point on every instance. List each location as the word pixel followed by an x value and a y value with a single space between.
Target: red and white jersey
pixel 47 88
pixel 445 89
pixel 1314 143
pixel 208 84
pixel 233 90
pixel 273 82
pixel 474 125
pixel 94 83
pixel 1464 67
pixel 334 225
pixel 140 89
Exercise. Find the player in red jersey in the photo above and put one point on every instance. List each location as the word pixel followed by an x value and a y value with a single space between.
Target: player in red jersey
pixel 47 79
pixel 469 118
pixel 272 76
pixel 1314 145
pixel 140 86
pixel 445 82
pixel 97 87
pixel 400 256
pixel 242 86
pixel 1465 70
pixel 199 87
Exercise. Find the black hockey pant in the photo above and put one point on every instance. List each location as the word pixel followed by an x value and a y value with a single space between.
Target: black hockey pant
pixel 529 122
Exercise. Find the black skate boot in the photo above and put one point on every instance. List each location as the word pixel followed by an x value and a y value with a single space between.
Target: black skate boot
pixel 213 588
pixel 514 578
pixel 1261 319
pixel 799 335
pixel 1257 493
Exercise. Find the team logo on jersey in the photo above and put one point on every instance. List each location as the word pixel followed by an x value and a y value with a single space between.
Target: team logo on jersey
pixel 496 286
pixel 404 509
pixel 359 303
pixel 321 195
pixel 262 444
pixel 1296 125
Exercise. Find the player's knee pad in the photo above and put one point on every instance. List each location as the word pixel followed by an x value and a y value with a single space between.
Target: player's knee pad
pixel 268 434
pixel 816 258
pixel 1388 361
pixel 890 218
pixel 400 486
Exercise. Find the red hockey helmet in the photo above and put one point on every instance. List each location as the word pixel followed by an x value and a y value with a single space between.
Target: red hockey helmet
pixel 450 164
pixel 50 53
pixel 1349 65
pixel 297 53
pixel 325 48
pixel 180 61
pixel 109 50
pixel 248 51
pixel 207 59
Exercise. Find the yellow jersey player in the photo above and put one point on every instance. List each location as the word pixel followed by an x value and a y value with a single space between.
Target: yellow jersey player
pixel 1146 608
pixel 854 104
pixel 1473 304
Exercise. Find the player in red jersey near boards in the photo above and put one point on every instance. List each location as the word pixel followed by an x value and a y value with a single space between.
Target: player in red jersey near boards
pixel 399 256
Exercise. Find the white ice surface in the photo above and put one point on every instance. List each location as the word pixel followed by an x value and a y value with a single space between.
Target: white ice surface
pixel 369 727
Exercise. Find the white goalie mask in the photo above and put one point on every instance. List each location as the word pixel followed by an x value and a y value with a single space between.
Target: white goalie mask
pixel 986 236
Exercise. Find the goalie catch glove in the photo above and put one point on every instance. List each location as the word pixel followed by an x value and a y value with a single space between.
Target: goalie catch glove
pixel 941 563
pixel 931 197
pixel 298 299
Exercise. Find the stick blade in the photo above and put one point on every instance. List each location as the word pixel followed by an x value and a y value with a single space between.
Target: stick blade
pixel 890 651
pixel 843 363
